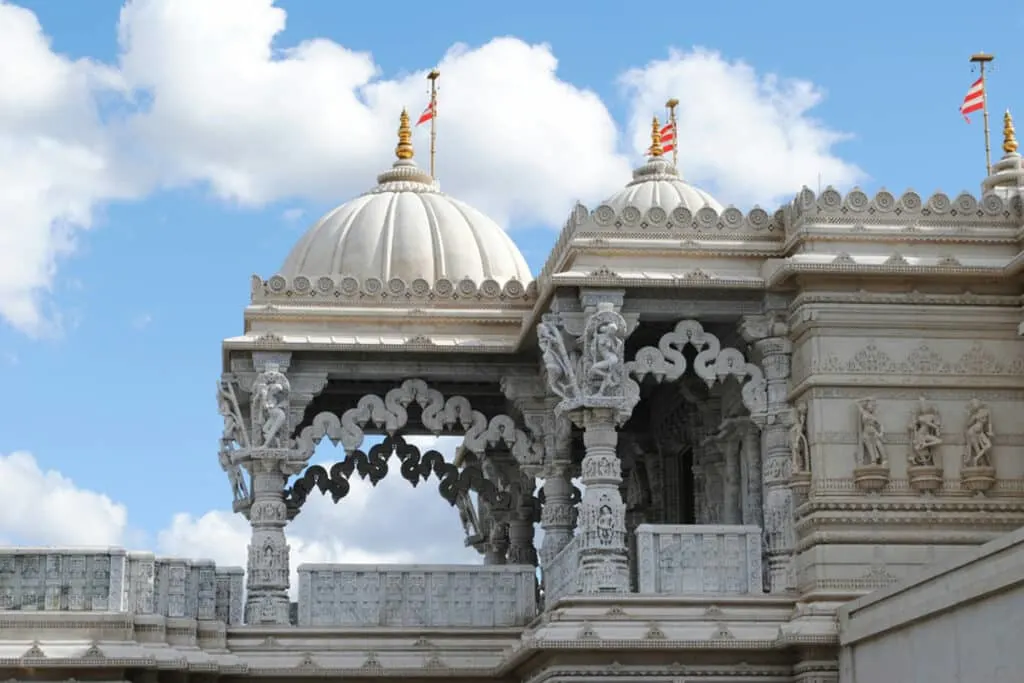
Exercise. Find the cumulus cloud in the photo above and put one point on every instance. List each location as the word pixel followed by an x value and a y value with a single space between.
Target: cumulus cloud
pixel 54 161
pixel 387 524
pixel 46 508
pixel 749 135
pixel 206 97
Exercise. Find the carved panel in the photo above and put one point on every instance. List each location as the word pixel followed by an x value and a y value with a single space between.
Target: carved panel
pixel 412 596
pixel 696 559
pixel 62 579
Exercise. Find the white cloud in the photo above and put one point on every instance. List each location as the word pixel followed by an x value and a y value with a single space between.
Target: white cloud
pixel 46 508
pixel 206 98
pixel 389 523
pixel 748 135
pixel 54 162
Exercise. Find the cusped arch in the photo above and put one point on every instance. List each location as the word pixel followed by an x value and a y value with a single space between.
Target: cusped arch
pixel 389 413
pixel 712 363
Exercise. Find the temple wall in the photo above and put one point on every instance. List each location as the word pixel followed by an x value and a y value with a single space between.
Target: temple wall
pixel 855 535
pixel 955 624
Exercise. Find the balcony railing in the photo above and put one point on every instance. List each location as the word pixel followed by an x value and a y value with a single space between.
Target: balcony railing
pixel 688 559
pixel 114 580
pixel 416 595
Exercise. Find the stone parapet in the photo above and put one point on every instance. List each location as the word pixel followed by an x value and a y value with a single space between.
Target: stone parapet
pixel 413 595
pixel 694 559
pixel 561 576
pixel 114 580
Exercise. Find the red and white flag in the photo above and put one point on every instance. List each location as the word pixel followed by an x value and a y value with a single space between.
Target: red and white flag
pixel 668 137
pixel 974 100
pixel 427 115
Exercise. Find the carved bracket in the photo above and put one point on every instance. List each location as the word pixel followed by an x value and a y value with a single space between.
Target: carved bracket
pixel 712 364
pixel 589 370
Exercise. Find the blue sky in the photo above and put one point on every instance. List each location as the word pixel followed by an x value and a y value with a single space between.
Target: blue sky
pixel 114 388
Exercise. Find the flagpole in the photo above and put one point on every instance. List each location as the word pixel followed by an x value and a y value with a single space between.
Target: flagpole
pixel 981 59
pixel 671 105
pixel 432 77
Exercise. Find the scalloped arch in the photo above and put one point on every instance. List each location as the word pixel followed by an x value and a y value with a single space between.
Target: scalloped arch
pixel 439 415
pixel 713 363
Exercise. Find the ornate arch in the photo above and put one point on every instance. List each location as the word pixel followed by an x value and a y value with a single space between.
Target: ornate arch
pixel 712 364
pixel 440 416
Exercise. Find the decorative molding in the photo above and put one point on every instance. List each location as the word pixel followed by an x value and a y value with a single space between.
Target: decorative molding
pixel 345 289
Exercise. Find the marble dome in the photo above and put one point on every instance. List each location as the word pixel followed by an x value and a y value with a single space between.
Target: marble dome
pixel 657 183
pixel 407 228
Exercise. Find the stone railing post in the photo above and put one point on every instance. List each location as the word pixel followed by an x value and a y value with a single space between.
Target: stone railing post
pixel 584 359
pixel 769 336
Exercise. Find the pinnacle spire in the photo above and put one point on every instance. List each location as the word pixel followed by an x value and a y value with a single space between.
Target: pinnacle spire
pixel 404 149
pixel 655 149
pixel 1009 134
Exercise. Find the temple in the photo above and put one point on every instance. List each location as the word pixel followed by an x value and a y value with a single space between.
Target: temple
pixel 746 437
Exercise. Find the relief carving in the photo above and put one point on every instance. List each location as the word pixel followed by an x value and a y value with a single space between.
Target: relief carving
pixel 925 431
pixel 977 472
pixel 589 372
pixel 872 472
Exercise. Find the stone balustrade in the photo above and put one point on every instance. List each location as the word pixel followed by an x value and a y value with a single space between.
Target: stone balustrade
pixel 561 576
pixel 114 580
pixel 416 595
pixel 685 559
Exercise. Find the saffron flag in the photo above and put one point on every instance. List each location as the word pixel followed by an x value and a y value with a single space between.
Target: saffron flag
pixel 427 115
pixel 974 100
pixel 668 137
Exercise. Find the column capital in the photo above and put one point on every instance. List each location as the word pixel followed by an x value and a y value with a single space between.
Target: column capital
pixel 772 324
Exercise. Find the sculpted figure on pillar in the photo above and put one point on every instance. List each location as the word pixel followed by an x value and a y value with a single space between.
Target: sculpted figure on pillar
pixel 588 374
pixel 265 448
pixel 589 371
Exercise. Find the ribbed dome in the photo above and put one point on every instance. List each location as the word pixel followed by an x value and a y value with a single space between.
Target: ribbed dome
pixel 406 228
pixel 657 183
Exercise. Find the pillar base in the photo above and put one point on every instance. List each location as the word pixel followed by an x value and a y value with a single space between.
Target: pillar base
pixel 267 608
pixel 604 574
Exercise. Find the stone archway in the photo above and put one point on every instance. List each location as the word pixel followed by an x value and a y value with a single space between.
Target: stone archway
pixel 440 416
pixel 712 363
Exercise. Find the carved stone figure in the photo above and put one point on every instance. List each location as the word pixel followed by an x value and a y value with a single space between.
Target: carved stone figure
pixel 978 435
pixel 871 434
pixel 270 395
pixel 559 364
pixel 925 434
pixel 799 447
pixel 606 355
pixel 234 471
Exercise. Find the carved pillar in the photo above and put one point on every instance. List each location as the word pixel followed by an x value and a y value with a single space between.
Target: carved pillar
pixel 497 544
pixel 558 516
pixel 585 367
pixel 268 571
pixel 520 531
pixel 730 446
pixel 711 459
pixel 750 457
pixel 768 334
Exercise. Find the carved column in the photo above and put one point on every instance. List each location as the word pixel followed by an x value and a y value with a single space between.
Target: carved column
pixel 768 334
pixel 268 571
pixel 711 460
pixel 558 516
pixel 260 406
pixel 750 457
pixel 585 367
pixel 729 445
pixel 520 531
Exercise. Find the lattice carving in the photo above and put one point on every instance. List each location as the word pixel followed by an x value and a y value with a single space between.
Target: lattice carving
pixel 712 363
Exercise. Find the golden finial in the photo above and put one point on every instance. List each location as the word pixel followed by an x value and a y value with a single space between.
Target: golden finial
pixel 1009 134
pixel 404 149
pixel 655 150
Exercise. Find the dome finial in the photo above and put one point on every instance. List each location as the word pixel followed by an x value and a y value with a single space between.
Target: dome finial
pixel 404 149
pixel 655 150
pixel 1009 134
